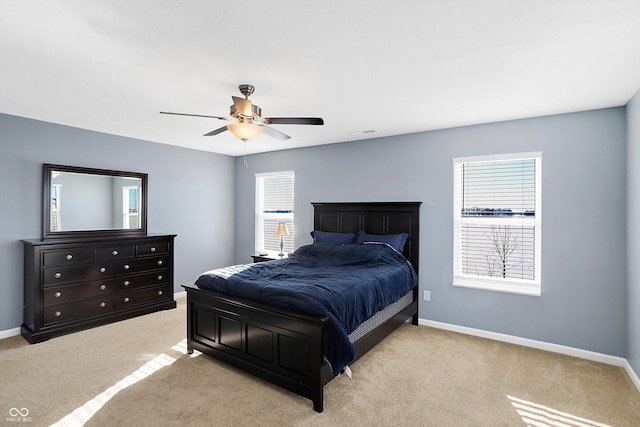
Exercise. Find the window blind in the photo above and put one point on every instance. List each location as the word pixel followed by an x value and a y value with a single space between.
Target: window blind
pixel 498 188
pixel 505 251
pixel 277 193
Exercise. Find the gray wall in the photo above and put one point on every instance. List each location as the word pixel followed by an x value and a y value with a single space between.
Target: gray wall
pixel 584 263
pixel 633 232
pixel 583 302
pixel 191 194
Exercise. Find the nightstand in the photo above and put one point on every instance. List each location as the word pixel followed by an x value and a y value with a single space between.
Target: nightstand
pixel 266 256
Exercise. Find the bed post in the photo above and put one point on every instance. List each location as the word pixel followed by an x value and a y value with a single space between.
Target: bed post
pixel 414 318
pixel 318 401
pixel 189 319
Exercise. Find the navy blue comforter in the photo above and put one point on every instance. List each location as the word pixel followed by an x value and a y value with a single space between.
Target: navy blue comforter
pixel 346 283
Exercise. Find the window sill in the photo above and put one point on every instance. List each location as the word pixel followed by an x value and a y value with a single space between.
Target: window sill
pixel 498 286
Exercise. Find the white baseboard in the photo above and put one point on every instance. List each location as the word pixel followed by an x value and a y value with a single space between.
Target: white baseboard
pixel 9 333
pixel 182 294
pixel 541 345
pixel 632 374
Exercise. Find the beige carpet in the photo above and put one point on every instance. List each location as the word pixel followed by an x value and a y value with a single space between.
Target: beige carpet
pixel 136 373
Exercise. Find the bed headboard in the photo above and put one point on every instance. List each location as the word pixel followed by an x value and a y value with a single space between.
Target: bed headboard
pixel 374 218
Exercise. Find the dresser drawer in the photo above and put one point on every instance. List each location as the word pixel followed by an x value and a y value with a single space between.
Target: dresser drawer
pixel 126 283
pixel 146 296
pixel 66 257
pixel 74 310
pixel 115 252
pixel 63 294
pixel 142 264
pixel 152 249
pixel 87 272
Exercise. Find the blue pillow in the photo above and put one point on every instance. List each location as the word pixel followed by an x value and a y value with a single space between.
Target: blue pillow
pixel 396 241
pixel 331 237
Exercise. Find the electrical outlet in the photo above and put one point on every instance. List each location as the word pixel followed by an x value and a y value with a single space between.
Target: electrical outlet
pixel 427 295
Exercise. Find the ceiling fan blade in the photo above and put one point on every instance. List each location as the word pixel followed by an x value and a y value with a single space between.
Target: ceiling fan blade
pixel 243 106
pixel 215 132
pixel 275 133
pixel 194 115
pixel 293 121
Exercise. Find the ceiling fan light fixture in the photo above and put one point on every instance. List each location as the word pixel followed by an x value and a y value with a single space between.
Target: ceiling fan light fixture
pixel 244 131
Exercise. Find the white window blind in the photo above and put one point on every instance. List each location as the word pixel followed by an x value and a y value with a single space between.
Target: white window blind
pixel 274 204
pixel 497 218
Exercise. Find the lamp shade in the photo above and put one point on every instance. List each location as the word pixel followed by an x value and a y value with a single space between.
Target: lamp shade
pixel 282 229
pixel 244 131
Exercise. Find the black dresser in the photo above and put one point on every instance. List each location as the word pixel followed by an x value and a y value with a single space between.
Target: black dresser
pixel 75 284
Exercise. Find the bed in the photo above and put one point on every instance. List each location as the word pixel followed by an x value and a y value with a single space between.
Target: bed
pixel 288 347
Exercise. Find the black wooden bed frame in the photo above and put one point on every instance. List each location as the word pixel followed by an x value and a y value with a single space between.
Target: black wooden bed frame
pixel 285 347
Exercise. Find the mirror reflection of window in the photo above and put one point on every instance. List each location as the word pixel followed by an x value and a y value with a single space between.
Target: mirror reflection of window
pixel 56 224
pixel 130 207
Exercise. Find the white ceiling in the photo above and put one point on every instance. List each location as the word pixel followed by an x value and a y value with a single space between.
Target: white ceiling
pixel 396 67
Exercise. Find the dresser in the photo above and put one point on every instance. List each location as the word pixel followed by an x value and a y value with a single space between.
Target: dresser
pixel 75 284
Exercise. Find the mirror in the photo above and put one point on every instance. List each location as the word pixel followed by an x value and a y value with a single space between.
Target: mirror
pixel 84 202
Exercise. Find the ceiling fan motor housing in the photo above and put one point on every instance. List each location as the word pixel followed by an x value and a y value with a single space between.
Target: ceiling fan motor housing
pixel 246 90
pixel 257 111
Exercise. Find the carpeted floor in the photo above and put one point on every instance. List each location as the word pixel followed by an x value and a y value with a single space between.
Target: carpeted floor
pixel 136 373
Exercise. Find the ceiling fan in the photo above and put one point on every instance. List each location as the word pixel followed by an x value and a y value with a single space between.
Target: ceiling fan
pixel 247 121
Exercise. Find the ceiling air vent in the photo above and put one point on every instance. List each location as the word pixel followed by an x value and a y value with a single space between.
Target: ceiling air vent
pixel 362 132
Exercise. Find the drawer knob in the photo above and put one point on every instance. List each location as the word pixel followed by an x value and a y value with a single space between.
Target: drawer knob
pixel 103 304
pixel 126 299
pixel 69 256
pixel 159 277
pixel 57 313
pixel 57 275
pixel 114 253
pixel 160 262
pixel 153 249
pixel 159 292
pixel 126 266
pixel 102 269
pixel 103 287
pixel 57 294
pixel 126 283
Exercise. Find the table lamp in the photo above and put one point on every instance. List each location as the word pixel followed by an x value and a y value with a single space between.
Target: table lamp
pixel 282 231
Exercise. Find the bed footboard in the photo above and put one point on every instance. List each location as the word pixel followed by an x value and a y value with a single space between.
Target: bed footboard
pixel 282 347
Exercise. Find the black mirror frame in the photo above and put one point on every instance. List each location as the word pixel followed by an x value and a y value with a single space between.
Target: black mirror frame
pixel 46 204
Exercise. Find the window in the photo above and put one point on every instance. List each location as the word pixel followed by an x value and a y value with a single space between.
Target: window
pixel 56 192
pixel 274 204
pixel 130 211
pixel 497 219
